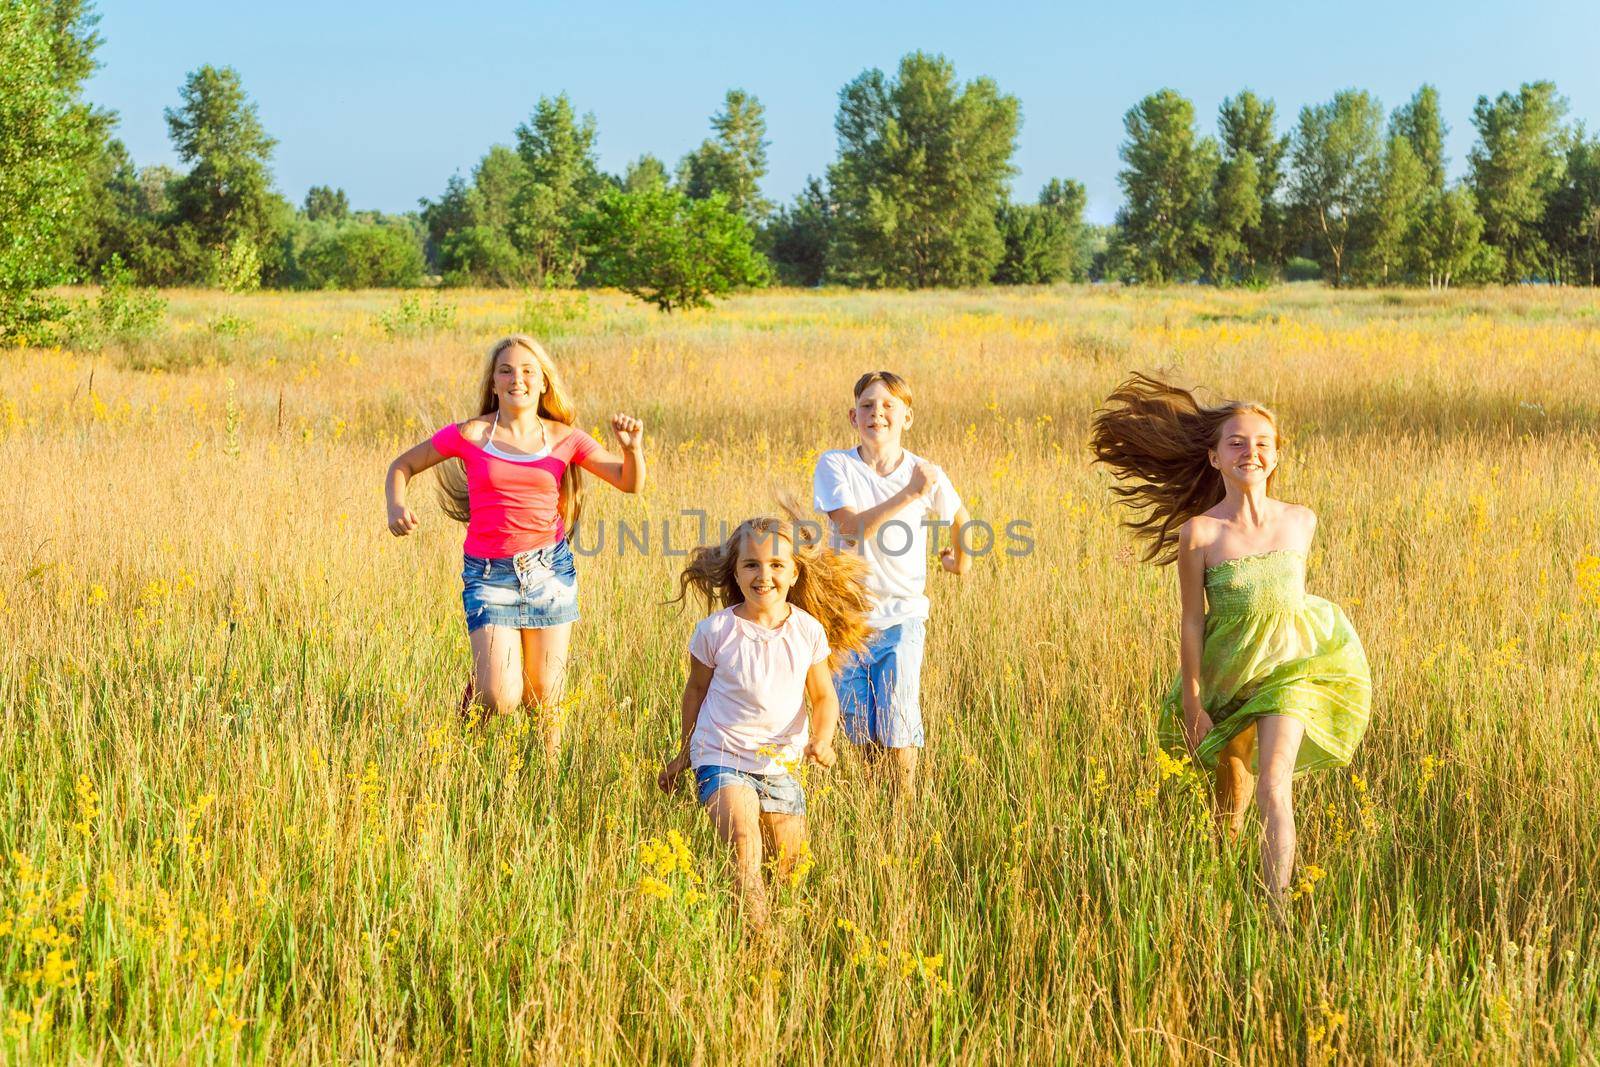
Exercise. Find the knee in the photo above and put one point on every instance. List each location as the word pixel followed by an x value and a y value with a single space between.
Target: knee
pixel 542 688
pixel 1273 789
pixel 500 699
pixel 747 846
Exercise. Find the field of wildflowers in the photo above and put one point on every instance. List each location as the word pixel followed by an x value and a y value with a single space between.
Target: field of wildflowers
pixel 241 820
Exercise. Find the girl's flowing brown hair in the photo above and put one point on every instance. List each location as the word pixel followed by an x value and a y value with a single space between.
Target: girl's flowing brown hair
pixel 1158 438
pixel 554 403
pixel 829 587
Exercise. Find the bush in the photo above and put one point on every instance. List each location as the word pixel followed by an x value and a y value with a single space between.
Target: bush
pixel 30 318
pixel 226 325
pixel 411 319
pixel 125 312
pixel 362 257
pixel 482 255
pixel 553 313
pixel 122 312
pixel 1300 269
pixel 237 268
pixel 669 250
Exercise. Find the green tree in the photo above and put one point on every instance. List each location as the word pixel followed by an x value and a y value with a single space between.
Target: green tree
pixel 797 236
pixel 500 178
pixel 1419 121
pixel 1446 243
pixel 326 203
pixel 226 198
pixel 645 174
pixel 1402 192
pixel 562 181
pixel 668 249
pixel 1572 218
pixel 1042 240
pixel 1338 164
pixel 1166 181
pixel 1516 166
pixel 469 229
pixel 923 165
pixel 734 160
pixel 1236 207
pixel 48 142
pixel 1247 126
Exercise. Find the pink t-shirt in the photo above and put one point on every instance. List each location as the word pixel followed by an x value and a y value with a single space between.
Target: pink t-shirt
pixel 756 700
pixel 515 502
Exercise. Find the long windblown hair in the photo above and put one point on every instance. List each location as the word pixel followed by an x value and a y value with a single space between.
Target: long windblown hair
pixel 1158 438
pixel 830 586
pixel 554 403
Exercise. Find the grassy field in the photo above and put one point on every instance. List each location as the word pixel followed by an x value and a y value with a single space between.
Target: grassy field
pixel 241 821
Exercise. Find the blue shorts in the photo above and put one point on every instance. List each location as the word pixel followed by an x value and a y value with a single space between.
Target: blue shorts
pixel 780 794
pixel 880 690
pixel 528 591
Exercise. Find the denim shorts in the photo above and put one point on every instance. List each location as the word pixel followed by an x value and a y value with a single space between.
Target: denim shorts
pixel 880 690
pixel 780 794
pixel 528 591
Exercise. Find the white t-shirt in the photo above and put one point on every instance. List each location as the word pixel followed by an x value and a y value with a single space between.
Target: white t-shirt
pixel 896 552
pixel 754 713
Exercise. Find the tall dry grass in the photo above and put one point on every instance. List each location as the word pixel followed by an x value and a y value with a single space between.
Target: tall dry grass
pixel 242 821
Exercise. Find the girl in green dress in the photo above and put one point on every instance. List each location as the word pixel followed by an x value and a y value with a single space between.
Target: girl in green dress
pixel 1273 681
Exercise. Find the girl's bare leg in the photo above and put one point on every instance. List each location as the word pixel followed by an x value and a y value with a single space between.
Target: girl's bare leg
pixel 786 840
pixel 736 816
pixel 903 762
pixel 1235 783
pixel 1279 739
pixel 496 669
pixel 544 678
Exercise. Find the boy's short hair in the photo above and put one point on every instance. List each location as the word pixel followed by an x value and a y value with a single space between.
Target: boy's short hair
pixel 891 381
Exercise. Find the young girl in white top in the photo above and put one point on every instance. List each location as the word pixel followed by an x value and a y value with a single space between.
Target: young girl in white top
pixel 791 611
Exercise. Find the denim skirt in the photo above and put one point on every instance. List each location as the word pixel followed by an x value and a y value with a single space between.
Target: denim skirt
pixel 528 591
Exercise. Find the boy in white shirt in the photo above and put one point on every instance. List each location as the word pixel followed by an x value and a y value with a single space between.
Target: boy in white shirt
pixel 881 502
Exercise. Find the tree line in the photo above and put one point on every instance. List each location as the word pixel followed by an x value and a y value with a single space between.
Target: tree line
pixel 919 195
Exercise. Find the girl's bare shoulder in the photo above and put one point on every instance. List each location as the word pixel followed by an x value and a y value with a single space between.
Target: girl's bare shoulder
pixel 1198 531
pixel 1299 515
pixel 556 432
pixel 475 429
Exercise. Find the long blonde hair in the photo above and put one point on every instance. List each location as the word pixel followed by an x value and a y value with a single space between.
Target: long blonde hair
pixel 555 403
pixel 830 586
pixel 1158 437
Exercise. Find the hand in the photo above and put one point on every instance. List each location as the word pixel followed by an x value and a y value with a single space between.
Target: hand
pixel 629 431
pixel 821 753
pixel 669 777
pixel 401 520
pixel 1196 725
pixel 924 476
pixel 947 560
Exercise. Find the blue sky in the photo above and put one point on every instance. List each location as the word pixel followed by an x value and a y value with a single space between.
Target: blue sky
pixel 387 100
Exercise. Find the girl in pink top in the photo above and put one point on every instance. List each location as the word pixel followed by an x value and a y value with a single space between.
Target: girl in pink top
pixel 518 486
pixel 791 612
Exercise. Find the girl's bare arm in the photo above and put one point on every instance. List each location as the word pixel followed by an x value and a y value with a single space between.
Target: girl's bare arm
pixel 694 693
pixel 625 472
pixel 824 718
pixel 410 463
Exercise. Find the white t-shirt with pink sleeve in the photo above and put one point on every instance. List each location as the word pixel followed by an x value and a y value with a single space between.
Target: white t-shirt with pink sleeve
pixel 753 717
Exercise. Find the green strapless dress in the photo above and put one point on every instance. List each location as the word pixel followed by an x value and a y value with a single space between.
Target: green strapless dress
pixel 1271 649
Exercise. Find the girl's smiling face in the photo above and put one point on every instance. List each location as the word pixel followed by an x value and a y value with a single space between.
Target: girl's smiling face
pixel 518 379
pixel 765 570
pixel 879 416
pixel 1246 451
